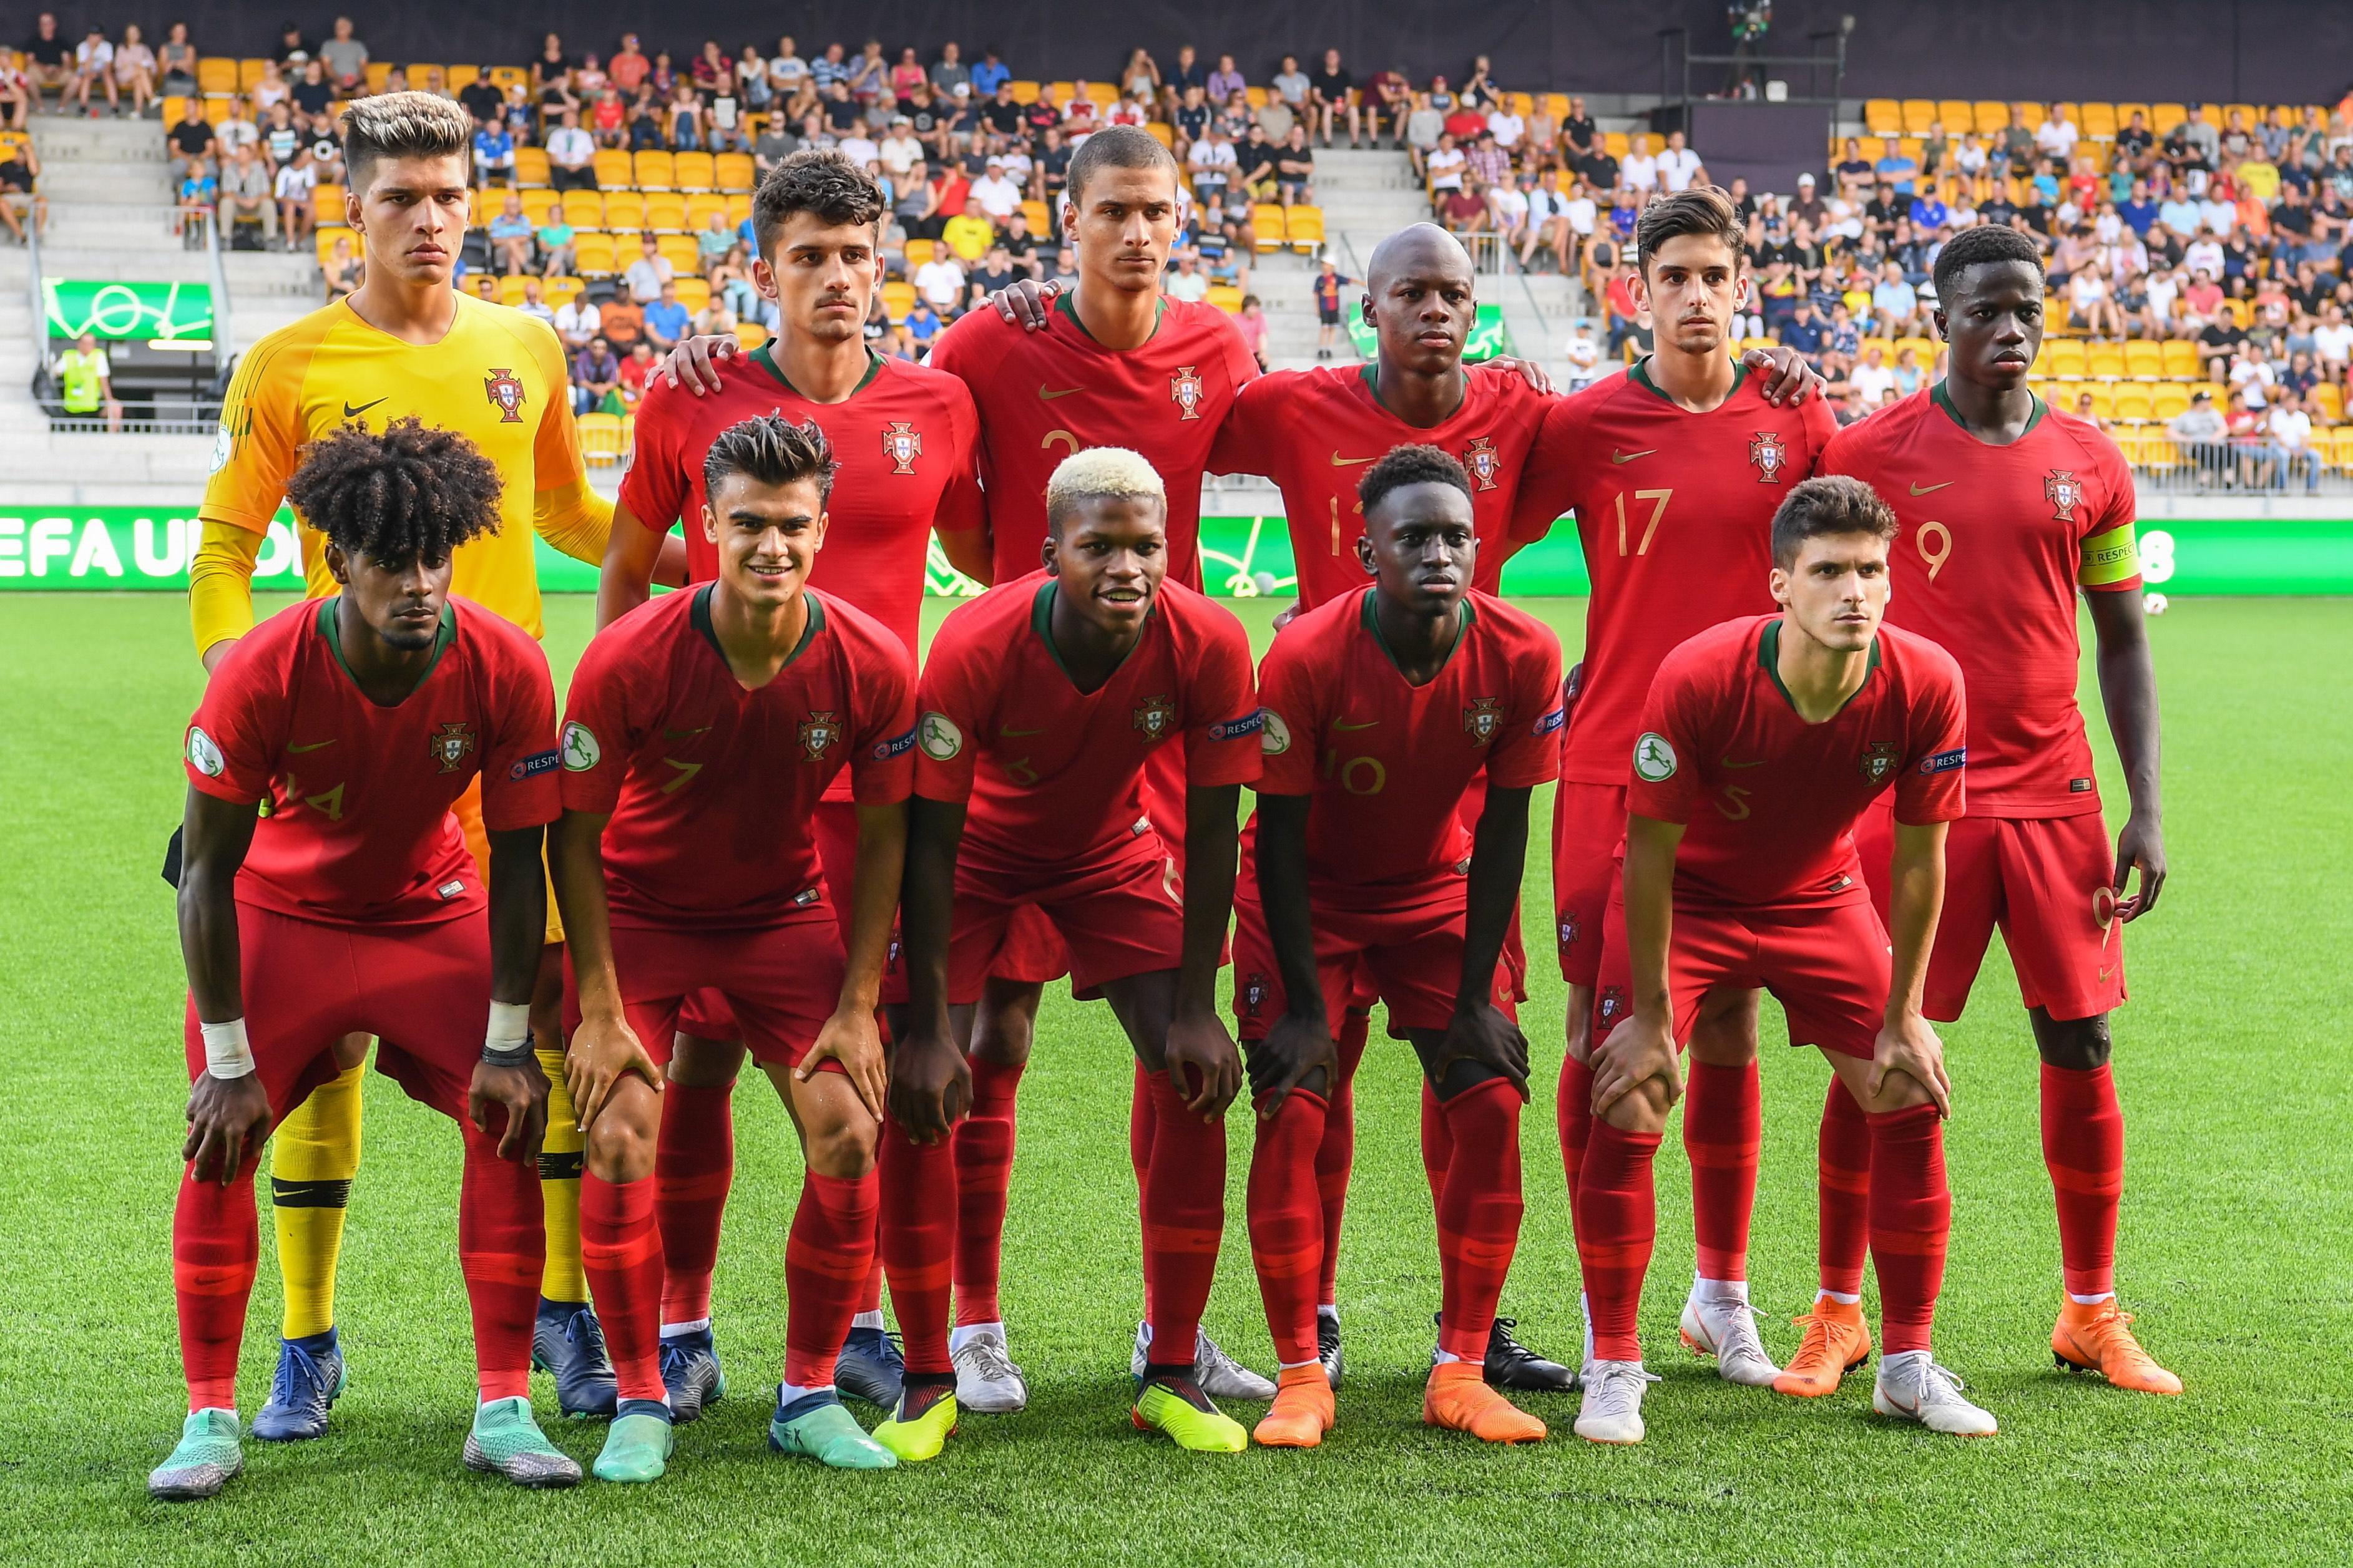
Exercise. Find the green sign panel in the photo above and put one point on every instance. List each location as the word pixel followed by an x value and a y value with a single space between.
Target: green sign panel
pixel 117 548
pixel 165 311
pixel 1486 340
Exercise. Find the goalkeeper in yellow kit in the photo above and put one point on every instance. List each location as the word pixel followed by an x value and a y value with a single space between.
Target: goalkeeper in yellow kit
pixel 407 345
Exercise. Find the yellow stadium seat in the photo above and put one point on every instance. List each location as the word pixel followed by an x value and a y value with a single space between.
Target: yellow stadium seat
pixel 1041 220
pixel 175 109
pixel 1923 349
pixel 655 171
pixel 1104 93
pixel 700 204
pixel 378 72
pixel 215 109
pixel 216 76
pixel 422 77
pixel 1557 105
pixel 679 251
pixel 2243 311
pixel 1615 142
pixel 1226 297
pixel 2144 360
pixel 2063 358
pixel 739 208
pixel 327 205
pixel 665 212
pixel 324 242
pixel 2099 121
pixel 1266 220
pixel 1918 114
pixel 625 211
pixel 505 76
pixel 458 77
pixel 2330 398
pixel 2164 117
pixel 1303 228
pixel 1063 90
pixel 1873 148
pixel 735 171
pixel 694 172
pixel 693 292
pixel 1025 93
pixel 1882 116
pixel 530 166
pixel 751 334
pixel 1958 114
pixel 2181 358
pixel 1524 104
pixel 1162 131
pixel 2106 362
pixel 1991 116
pixel 604 439
pixel 562 291
pixel 593 255
pixel 511 289
pixel 920 252
pixel 1255 97
pixel 249 73
pixel 899 298
pixel 582 209
pixel 2134 403
pixel 612 166
pixel 1910 147
pixel 537 205
pixel 2167 401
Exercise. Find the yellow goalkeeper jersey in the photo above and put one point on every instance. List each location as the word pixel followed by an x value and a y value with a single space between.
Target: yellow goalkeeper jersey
pixel 497 378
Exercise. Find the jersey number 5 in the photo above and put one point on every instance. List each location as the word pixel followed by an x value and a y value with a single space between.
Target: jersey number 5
pixel 1658 500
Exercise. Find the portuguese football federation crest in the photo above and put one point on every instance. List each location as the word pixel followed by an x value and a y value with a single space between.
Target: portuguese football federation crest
pixel 506 394
pixel 1254 992
pixel 1480 462
pixel 1770 456
pixel 1611 1010
pixel 819 732
pixel 902 445
pixel 1569 931
pixel 451 744
pixel 1155 717
pixel 2064 492
pixel 1186 391
pixel 1880 761
pixel 1482 718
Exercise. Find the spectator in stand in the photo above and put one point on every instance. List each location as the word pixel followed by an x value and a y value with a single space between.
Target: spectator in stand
pixel 49 61
pixel 494 154
pixel 1507 212
pixel 249 194
pixel 668 321
pixel 176 63
pixel 1679 166
pixel 1446 166
pixel 1464 211
pixel 940 280
pixel 2290 429
pixel 638 367
pixel 346 58
pixel 1294 169
pixel 1874 378
pixel 198 190
pixel 969 233
pixel 134 73
pixel 1507 127
pixel 340 270
pixel 2202 435
pixel 578 323
pixel 1548 222
pixel 191 138
pixel 1329 281
pixel 1388 95
pixel 1639 172
pixel 646 275
pixel 1485 162
pixel 294 185
pixel 311 93
pixel 86 384
pixel 483 98
pixel 571 155
pixel 1186 281
pixel 532 304
pixel 1211 162
pixel 1331 95
pixel 511 238
pixel 1139 79
pixel 94 67
pixel 1425 127
pixel 1225 81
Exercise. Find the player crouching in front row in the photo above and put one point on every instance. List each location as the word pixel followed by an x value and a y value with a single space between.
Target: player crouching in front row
pixel 1764 742
pixel 353 906
pixel 1382 707
pixel 701 732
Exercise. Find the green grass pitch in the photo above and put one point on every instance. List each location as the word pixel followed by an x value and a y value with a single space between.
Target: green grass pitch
pixel 2235 1249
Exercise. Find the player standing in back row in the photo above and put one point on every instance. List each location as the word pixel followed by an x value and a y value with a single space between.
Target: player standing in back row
pixel 2010 508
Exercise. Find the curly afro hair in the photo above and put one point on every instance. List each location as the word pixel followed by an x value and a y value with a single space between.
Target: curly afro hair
pixel 413 490
pixel 1410 466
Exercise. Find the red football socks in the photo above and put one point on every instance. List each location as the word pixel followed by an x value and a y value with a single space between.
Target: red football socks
pixel 1479 1216
pixel 1844 1191
pixel 694 1164
pixel 1142 1118
pixel 1286 1222
pixel 1911 1218
pixel 503 1247
pixel 2083 1145
pixel 1437 1145
pixel 1183 1217
pixel 621 1246
pixel 1617 1214
pixel 1724 1129
pixel 1573 1109
pixel 828 1257
pixel 984 1175
pixel 1337 1153
pixel 216 1247
pixel 919 1215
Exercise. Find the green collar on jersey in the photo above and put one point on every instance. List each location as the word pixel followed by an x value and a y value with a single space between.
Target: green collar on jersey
pixel 1369 373
pixel 1639 374
pixel 1068 304
pixel 1942 399
pixel 700 614
pixel 1768 658
pixel 329 628
pixel 1372 623
pixel 1041 622
pixel 764 357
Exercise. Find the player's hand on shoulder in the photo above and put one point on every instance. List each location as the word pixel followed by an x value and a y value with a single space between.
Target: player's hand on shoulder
pixel 695 362
pixel 1293 1048
pixel 1530 372
pixel 930 1085
pixel 1909 1046
pixel 1789 379
pixel 1028 303
pixel 522 1092
pixel 1637 1050
pixel 229 1118
pixel 604 1051
pixel 850 1038
pixel 2141 844
pixel 1483 1035
pixel 1201 1052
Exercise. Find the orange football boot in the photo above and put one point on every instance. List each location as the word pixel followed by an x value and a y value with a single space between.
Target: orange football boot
pixel 1837 1341
pixel 1302 1409
pixel 1458 1396
pixel 2094 1338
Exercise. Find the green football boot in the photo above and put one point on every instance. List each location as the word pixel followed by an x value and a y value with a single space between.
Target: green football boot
pixel 816 1424
pixel 506 1440
pixel 1169 1400
pixel 924 1419
pixel 639 1444
pixel 208 1454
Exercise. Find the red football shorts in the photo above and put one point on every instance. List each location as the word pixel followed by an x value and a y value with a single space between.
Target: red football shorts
pixel 1827 964
pixel 424 989
pixel 1409 955
pixel 705 1015
pixel 2044 881
pixel 1587 822
pixel 778 985
pixel 1124 918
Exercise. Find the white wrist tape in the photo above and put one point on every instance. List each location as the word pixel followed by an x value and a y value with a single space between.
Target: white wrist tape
pixel 508 1041
pixel 227 1054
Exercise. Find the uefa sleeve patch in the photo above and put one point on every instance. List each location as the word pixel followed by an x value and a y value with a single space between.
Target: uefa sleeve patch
pixel 1654 759
pixel 1250 723
pixel 1552 722
pixel 937 734
pixel 897 745
pixel 579 747
pixel 537 762
pixel 1946 762
pixel 1274 735
pixel 205 754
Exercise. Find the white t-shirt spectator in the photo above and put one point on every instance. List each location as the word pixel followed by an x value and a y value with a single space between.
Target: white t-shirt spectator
pixel 577 321
pixel 941 281
pixel 860 151
pixel 2220 216
pixel 1445 165
pixel 2253 379
pixel 1678 166
pixel 570 147
pixel 1583 213
pixel 2164 289
pixel 93 55
pixel 1191 287
pixel 1509 205
pixel 2291 428
pixel 2087 287
pixel 2056 137
pixel 899 153
pixel 233 134
pixel 1508 128
pixel 2206 256
pixel 1292 86
pixel 786 73
pixel 1873 381
pixel 1638 172
pixel 646 275
pixel 296 182
pixel 998 196
pixel 537 308
pixel 2333 341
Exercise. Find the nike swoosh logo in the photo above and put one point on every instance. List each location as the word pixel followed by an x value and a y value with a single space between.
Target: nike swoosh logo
pixel 1618 457
pixel 1367 724
pixel 2105 975
pixel 1340 462
pixel 1046 396
pixel 1927 490
pixel 351 412
pixel 1016 734
pixel 312 747
pixel 1758 763
pixel 683 734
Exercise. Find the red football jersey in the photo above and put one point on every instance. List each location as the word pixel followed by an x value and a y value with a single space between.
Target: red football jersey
pixel 1675 512
pixel 712 790
pixel 1996 542
pixel 909 445
pixel 1768 801
pixel 1049 394
pixel 1387 761
pixel 1064 780
pixel 358 827
pixel 1313 432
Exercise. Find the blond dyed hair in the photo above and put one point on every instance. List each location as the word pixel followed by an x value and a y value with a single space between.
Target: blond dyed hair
pixel 1101 473
pixel 402 125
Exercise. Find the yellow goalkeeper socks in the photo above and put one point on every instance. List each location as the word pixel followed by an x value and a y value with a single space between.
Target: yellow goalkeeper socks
pixel 312 1158
pixel 559 1187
